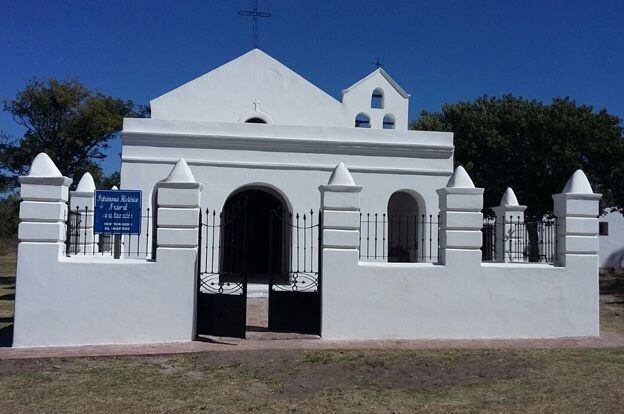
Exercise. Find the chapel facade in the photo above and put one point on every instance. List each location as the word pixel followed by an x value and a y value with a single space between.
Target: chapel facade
pixel 253 126
pixel 253 181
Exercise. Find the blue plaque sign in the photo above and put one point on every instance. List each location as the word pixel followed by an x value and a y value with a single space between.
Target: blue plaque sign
pixel 117 212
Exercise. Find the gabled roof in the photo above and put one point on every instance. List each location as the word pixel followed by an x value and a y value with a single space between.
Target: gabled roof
pixel 383 73
pixel 228 93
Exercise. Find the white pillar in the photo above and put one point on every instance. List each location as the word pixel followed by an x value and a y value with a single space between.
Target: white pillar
pixel 509 228
pixel 576 209
pixel 340 203
pixel 41 232
pixel 461 221
pixel 178 201
pixel 43 209
pixel 81 202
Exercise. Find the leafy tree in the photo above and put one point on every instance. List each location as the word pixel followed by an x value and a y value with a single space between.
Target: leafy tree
pixel 107 182
pixel 533 147
pixel 72 124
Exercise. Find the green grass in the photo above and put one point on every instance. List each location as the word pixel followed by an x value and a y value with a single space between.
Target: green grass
pixel 571 381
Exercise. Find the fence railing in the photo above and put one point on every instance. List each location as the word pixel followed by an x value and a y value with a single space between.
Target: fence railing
pixel 81 240
pixel 291 243
pixel 398 237
pixel 519 241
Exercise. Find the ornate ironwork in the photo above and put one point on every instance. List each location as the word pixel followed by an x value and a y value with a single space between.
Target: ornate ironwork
pixel 219 284
pixel 298 282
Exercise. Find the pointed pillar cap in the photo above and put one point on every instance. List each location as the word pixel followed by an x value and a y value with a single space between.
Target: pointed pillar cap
pixel 341 176
pixel 43 166
pixel 460 179
pixel 181 173
pixel 509 198
pixel 578 184
pixel 114 187
pixel 86 184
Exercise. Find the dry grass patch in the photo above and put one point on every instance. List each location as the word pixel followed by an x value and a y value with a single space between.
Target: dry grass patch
pixel 8 266
pixel 8 257
pixel 322 381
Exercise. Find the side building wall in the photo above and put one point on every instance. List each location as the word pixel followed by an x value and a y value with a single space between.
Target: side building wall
pixel 612 244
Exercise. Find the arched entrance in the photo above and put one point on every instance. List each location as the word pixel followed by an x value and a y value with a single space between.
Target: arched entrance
pixel 258 248
pixel 403 227
pixel 255 239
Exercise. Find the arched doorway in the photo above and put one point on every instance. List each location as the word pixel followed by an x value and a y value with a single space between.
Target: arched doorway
pixel 403 227
pixel 257 241
pixel 253 236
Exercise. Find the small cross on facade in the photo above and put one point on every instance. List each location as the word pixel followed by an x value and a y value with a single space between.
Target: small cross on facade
pixel 256 104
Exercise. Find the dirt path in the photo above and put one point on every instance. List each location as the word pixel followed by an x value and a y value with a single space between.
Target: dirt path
pixel 607 340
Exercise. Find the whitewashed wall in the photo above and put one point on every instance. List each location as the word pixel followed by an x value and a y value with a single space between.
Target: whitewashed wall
pixel 462 297
pixel 291 160
pixel 612 245
pixel 92 299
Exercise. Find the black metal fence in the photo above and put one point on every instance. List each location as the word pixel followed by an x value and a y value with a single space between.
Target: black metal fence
pixel 398 237
pixel 516 240
pixel 81 240
pixel 284 246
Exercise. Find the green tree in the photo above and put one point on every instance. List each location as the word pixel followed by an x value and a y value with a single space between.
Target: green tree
pixel 109 181
pixel 533 147
pixel 72 124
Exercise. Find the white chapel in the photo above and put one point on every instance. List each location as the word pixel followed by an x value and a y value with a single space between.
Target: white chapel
pixel 356 227
pixel 254 124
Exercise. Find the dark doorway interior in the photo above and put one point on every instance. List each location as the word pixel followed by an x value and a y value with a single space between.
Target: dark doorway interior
pixel 253 242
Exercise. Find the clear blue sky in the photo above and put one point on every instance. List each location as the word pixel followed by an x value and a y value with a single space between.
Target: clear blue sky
pixel 438 50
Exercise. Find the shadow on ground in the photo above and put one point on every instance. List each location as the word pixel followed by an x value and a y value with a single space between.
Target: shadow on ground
pixel 6 335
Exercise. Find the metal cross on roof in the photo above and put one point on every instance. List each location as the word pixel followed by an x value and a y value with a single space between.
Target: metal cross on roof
pixel 254 13
pixel 378 64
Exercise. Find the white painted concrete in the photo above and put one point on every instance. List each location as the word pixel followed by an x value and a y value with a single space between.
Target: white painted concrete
pixel 89 299
pixel 612 245
pixel 395 101
pixel 197 150
pixel 99 300
pixel 462 297
pixel 257 86
pixel 421 300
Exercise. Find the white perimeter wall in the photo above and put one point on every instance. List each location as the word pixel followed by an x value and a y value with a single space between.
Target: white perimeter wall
pixel 421 300
pixel 96 300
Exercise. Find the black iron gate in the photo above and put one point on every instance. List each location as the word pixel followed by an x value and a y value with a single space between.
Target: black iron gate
pixel 268 246
pixel 295 293
pixel 222 284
